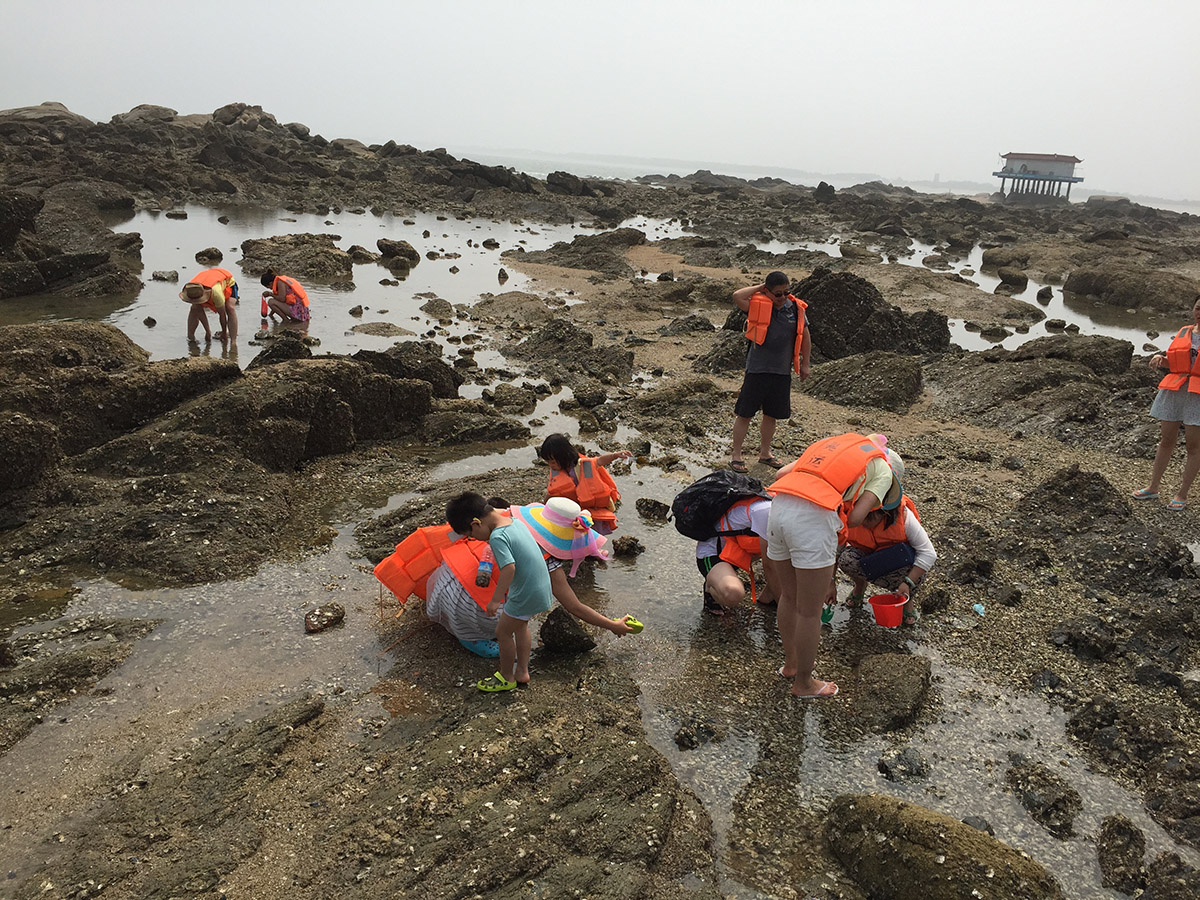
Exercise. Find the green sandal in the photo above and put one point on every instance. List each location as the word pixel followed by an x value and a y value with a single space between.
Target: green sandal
pixel 495 683
pixel 911 614
pixel 855 600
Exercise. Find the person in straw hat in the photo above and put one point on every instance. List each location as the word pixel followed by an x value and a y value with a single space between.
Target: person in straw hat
pixel 216 290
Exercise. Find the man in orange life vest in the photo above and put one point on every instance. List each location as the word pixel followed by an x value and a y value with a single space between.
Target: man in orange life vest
pixel 779 345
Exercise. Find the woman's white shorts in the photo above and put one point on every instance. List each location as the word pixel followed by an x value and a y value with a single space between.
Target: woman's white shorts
pixel 803 532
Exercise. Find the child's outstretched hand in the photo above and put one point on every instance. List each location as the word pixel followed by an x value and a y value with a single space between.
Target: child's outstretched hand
pixel 626 625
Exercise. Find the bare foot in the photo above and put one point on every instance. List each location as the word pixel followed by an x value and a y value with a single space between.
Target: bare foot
pixel 818 690
pixel 783 670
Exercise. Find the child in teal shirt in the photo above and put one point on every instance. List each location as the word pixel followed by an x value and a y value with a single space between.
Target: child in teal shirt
pixel 522 583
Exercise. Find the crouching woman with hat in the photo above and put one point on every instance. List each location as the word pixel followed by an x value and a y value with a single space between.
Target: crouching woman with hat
pixel 891 549
pixel 836 482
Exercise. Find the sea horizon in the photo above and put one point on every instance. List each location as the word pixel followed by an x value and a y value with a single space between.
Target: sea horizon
pixel 600 165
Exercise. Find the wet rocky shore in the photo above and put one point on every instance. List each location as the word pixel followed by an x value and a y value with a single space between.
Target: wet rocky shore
pixel 176 473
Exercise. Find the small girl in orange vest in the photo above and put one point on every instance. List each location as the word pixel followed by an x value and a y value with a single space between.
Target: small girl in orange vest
pixel 285 297
pixel 583 479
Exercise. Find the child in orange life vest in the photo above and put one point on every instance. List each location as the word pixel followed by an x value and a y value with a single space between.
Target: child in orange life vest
pixel 904 550
pixel 285 297
pixel 719 558
pixel 522 583
pixel 583 479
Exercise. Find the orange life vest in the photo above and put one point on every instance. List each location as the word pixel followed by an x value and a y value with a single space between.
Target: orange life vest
pixel 294 287
pixel 210 278
pixel 738 550
pixel 596 491
pixel 881 536
pixel 406 572
pixel 827 469
pixel 1179 359
pixel 463 559
pixel 758 320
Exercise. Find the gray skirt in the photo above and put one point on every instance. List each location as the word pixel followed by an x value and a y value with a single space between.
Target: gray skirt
pixel 1176 406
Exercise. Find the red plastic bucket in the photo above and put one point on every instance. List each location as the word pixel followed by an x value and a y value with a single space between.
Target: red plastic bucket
pixel 888 609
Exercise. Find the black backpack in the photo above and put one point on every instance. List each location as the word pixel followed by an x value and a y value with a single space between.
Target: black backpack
pixel 698 507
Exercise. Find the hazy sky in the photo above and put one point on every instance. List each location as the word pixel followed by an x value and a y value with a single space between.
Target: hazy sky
pixel 901 89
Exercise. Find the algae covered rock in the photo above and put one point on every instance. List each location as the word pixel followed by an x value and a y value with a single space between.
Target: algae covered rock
pixel 903 851
pixel 884 380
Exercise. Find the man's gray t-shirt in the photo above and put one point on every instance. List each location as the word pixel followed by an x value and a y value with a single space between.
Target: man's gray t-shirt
pixel 774 355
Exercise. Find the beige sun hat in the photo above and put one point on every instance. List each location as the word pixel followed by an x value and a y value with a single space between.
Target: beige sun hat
pixel 192 293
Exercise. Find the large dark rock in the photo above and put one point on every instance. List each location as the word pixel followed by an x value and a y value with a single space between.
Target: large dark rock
pixel 1094 525
pixel 301 256
pixel 566 183
pixel 1123 734
pixel 1051 801
pixel 1071 387
pixel 847 315
pixel 18 212
pixel 301 409
pixel 1105 356
pixel 571 347
pixel 603 253
pixel 884 380
pixel 401 250
pixel 727 353
pixel 562 633
pixel 1168 877
pixel 90 382
pixel 1120 850
pixel 416 359
pixel 287 346
pixel 28 447
pixel 903 851
pixel 891 691
pixel 457 422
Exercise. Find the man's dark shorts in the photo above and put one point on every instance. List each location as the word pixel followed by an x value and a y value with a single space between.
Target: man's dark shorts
pixel 770 393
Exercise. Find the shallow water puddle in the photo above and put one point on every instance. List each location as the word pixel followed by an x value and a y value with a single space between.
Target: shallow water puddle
pixel 225 653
